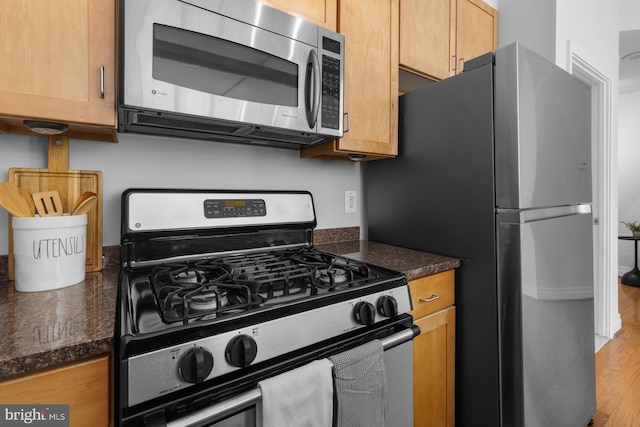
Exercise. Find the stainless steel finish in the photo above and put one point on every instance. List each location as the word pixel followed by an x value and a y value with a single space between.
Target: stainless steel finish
pixel 154 374
pixel 261 16
pixel 400 381
pixel 546 274
pixel 313 82
pixel 542 133
pixel 177 211
pixel 432 298
pixel 245 22
pixel 517 216
pixel 501 153
pixel 102 81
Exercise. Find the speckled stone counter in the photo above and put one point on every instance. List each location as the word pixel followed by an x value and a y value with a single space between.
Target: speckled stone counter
pixel 45 329
pixel 413 264
pixel 49 328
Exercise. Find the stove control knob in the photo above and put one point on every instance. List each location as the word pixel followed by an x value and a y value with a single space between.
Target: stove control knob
pixel 241 351
pixel 388 306
pixel 196 365
pixel 365 313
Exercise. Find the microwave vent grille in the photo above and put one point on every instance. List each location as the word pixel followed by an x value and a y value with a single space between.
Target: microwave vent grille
pixel 192 125
pixel 279 136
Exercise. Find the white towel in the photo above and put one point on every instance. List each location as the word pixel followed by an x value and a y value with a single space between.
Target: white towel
pixel 361 386
pixel 302 397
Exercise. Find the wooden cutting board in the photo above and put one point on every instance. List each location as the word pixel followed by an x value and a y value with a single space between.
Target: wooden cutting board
pixel 70 184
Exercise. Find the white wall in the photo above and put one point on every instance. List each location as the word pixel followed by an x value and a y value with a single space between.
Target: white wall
pixel 531 23
pixel 629 147
pixel 146 161
pixel 629 15
pixel 628 172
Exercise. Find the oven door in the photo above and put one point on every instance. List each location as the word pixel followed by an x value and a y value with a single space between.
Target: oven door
pixel 184 59
pixel 242 410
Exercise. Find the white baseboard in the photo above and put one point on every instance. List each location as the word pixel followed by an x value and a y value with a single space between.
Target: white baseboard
pixel 623 269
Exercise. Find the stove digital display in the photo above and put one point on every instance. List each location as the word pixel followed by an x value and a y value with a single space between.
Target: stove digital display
pixel 234 208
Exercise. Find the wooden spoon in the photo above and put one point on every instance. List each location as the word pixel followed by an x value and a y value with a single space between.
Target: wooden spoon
pixel 11 199
pixel 84 204
pixel 29 199
pixel 48 203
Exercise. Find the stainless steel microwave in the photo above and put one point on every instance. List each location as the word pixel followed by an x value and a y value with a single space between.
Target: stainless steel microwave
pixel 229 71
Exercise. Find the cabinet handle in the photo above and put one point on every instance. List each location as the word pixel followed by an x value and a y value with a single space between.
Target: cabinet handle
pixel 348 122
pixel 102 81
pixel 461 61
pixel 455 62
pixel 433 298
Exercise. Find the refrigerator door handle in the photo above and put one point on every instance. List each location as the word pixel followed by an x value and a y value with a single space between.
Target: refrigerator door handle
pixel 524 216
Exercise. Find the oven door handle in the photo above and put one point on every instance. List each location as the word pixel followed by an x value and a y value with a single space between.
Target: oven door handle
pixel 251 397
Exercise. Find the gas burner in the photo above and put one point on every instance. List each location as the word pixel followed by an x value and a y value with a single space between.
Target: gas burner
pixel 331 276
pixel 208 301
pixel 189 276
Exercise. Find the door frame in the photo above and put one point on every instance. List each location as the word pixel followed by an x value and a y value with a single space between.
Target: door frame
pixel 607 316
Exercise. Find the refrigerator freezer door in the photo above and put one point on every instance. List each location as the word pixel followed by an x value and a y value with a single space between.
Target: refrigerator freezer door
pixel 546 292
pixel 543 132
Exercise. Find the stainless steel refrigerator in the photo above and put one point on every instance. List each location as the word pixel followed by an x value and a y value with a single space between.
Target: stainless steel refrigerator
pixel 494 168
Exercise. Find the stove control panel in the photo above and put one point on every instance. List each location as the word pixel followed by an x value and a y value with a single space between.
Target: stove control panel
pixel 234 208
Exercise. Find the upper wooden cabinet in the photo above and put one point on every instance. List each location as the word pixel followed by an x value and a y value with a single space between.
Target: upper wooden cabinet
pixel 370 28
pixel 58 64
pixel 437 36
pixel 321 12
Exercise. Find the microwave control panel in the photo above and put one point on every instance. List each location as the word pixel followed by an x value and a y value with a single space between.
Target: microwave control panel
pixel 330 117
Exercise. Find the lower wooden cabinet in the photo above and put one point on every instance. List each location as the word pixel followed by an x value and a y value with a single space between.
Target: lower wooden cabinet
pixel 84 386
pixel 434 350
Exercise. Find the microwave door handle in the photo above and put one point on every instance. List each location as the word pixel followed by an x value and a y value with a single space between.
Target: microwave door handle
pixel 312 89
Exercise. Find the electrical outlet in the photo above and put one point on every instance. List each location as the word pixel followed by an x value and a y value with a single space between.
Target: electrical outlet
pixel 350 201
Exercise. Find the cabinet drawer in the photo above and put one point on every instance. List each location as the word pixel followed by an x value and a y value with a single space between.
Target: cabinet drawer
pixel 432 293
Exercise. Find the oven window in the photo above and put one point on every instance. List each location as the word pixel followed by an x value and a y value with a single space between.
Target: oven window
pixel 220 67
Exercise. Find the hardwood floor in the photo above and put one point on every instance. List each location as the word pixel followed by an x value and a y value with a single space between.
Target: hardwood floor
pixel 618 368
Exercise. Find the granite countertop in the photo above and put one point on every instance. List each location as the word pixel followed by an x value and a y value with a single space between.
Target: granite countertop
pixel 45 329
pixel 413 264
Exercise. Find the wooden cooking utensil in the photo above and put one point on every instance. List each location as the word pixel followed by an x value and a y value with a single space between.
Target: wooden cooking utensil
pixel 12 200
pixel 86 201
pixel 48 203
pixel 27 196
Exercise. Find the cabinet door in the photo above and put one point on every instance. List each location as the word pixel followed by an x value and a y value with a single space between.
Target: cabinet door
pixel 84 386
pixel 427 37
pixel 434 370
pixel 477 30
pixel 52 56
pixel 321 12
pixel 370 28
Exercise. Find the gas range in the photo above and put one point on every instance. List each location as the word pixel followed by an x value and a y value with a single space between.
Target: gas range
pixel 221 285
